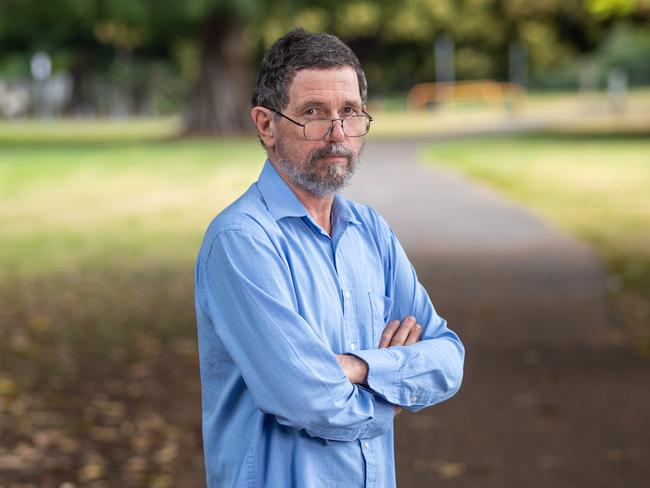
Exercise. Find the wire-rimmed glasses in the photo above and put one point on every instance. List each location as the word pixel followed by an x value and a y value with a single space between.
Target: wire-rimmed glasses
pixel 319 129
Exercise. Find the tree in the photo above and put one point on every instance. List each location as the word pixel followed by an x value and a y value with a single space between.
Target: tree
pixel 61 27
pixel 218 28
pixel 93 33
pixel 219 39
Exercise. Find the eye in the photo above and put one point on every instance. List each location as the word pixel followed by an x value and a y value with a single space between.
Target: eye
pixel 349 110
pixel 310 111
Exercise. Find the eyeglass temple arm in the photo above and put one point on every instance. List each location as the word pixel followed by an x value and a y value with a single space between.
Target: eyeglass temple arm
pixel 302 125
pixel 288 118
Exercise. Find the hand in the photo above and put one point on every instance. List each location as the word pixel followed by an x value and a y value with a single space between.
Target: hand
pixel 404 334
pixel 398 410
pixel 355 369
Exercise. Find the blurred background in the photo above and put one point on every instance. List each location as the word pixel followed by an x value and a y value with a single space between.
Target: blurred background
pixel 124 128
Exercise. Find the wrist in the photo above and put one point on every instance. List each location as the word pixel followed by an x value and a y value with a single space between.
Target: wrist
pixel 360 370
pixel 354 368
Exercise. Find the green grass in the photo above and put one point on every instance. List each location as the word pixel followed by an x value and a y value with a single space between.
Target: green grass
pixel 66 201
pixel 593 183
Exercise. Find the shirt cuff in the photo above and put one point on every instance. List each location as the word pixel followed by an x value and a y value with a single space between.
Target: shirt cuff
pixel 383 373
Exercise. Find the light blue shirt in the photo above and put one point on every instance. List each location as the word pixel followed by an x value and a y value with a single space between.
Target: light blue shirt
pixel 276 299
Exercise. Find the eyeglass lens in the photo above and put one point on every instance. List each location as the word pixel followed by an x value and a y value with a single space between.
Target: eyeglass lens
pixel 354 126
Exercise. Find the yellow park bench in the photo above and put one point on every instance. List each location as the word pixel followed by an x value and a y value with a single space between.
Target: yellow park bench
pixel 426 95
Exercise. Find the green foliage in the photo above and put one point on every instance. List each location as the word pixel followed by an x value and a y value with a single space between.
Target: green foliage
pixel 608 8
pixel 15 65
pixel 394 40
pixel 358 18
pixel 627 48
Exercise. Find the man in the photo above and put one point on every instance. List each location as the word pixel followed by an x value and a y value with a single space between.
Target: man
pixel 301 377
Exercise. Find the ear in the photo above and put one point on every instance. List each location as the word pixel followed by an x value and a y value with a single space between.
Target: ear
pixel 265 124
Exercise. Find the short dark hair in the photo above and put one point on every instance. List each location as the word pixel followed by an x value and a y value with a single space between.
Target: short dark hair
pixel 296 50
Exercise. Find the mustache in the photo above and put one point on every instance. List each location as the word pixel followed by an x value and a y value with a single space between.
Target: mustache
pixel 333 150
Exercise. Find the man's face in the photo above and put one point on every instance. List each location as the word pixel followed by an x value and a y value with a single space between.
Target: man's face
pixel 319 167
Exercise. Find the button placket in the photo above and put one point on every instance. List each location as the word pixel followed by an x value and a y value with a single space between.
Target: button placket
pixel 349 315
pixel 371 466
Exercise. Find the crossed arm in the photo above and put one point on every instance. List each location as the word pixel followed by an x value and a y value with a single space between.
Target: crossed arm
pixel 395 334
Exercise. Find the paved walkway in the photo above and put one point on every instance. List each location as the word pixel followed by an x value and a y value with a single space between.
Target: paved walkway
pixel 548 398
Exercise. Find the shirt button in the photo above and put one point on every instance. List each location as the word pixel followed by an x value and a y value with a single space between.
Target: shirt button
pixel 347 293
pixel 414 397
pixel 366 445
pixel 353 346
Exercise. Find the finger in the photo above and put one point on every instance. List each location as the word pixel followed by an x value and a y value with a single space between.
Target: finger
pixel 398 410
pixel 414 335
pixel 403 331
pixel 387 334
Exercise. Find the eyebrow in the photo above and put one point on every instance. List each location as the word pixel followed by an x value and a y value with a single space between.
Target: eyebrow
pixel 319 104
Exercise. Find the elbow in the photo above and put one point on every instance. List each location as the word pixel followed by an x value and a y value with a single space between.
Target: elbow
pixel 303 413
pixel 332 419
pixel 454 382
pixel 448 380
pixel 456 371
pixel 442 383
pixel 448 383
pixel 335 421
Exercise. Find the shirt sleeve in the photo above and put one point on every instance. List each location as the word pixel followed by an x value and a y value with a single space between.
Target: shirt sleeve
pixel 421 374
pixel 245 286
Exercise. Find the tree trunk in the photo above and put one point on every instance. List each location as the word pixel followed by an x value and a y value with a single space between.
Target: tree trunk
pixel 79 102
pixel 221 103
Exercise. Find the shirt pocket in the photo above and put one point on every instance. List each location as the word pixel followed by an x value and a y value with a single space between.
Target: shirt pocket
pixel 381 307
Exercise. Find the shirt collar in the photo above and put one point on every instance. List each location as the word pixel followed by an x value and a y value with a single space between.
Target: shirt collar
pixel 341 210
pixel 279 197
pixel 283 202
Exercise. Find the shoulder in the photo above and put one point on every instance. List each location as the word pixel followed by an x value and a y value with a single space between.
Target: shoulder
pixel 247 216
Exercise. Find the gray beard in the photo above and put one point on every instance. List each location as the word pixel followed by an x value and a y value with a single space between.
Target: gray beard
pixel 311 180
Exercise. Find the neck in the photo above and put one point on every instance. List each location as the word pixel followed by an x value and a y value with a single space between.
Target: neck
pixel 320 208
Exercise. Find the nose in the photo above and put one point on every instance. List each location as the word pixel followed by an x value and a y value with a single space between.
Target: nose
pixel 337 134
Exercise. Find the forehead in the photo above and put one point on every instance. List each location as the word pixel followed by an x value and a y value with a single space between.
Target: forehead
pixel 325 85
